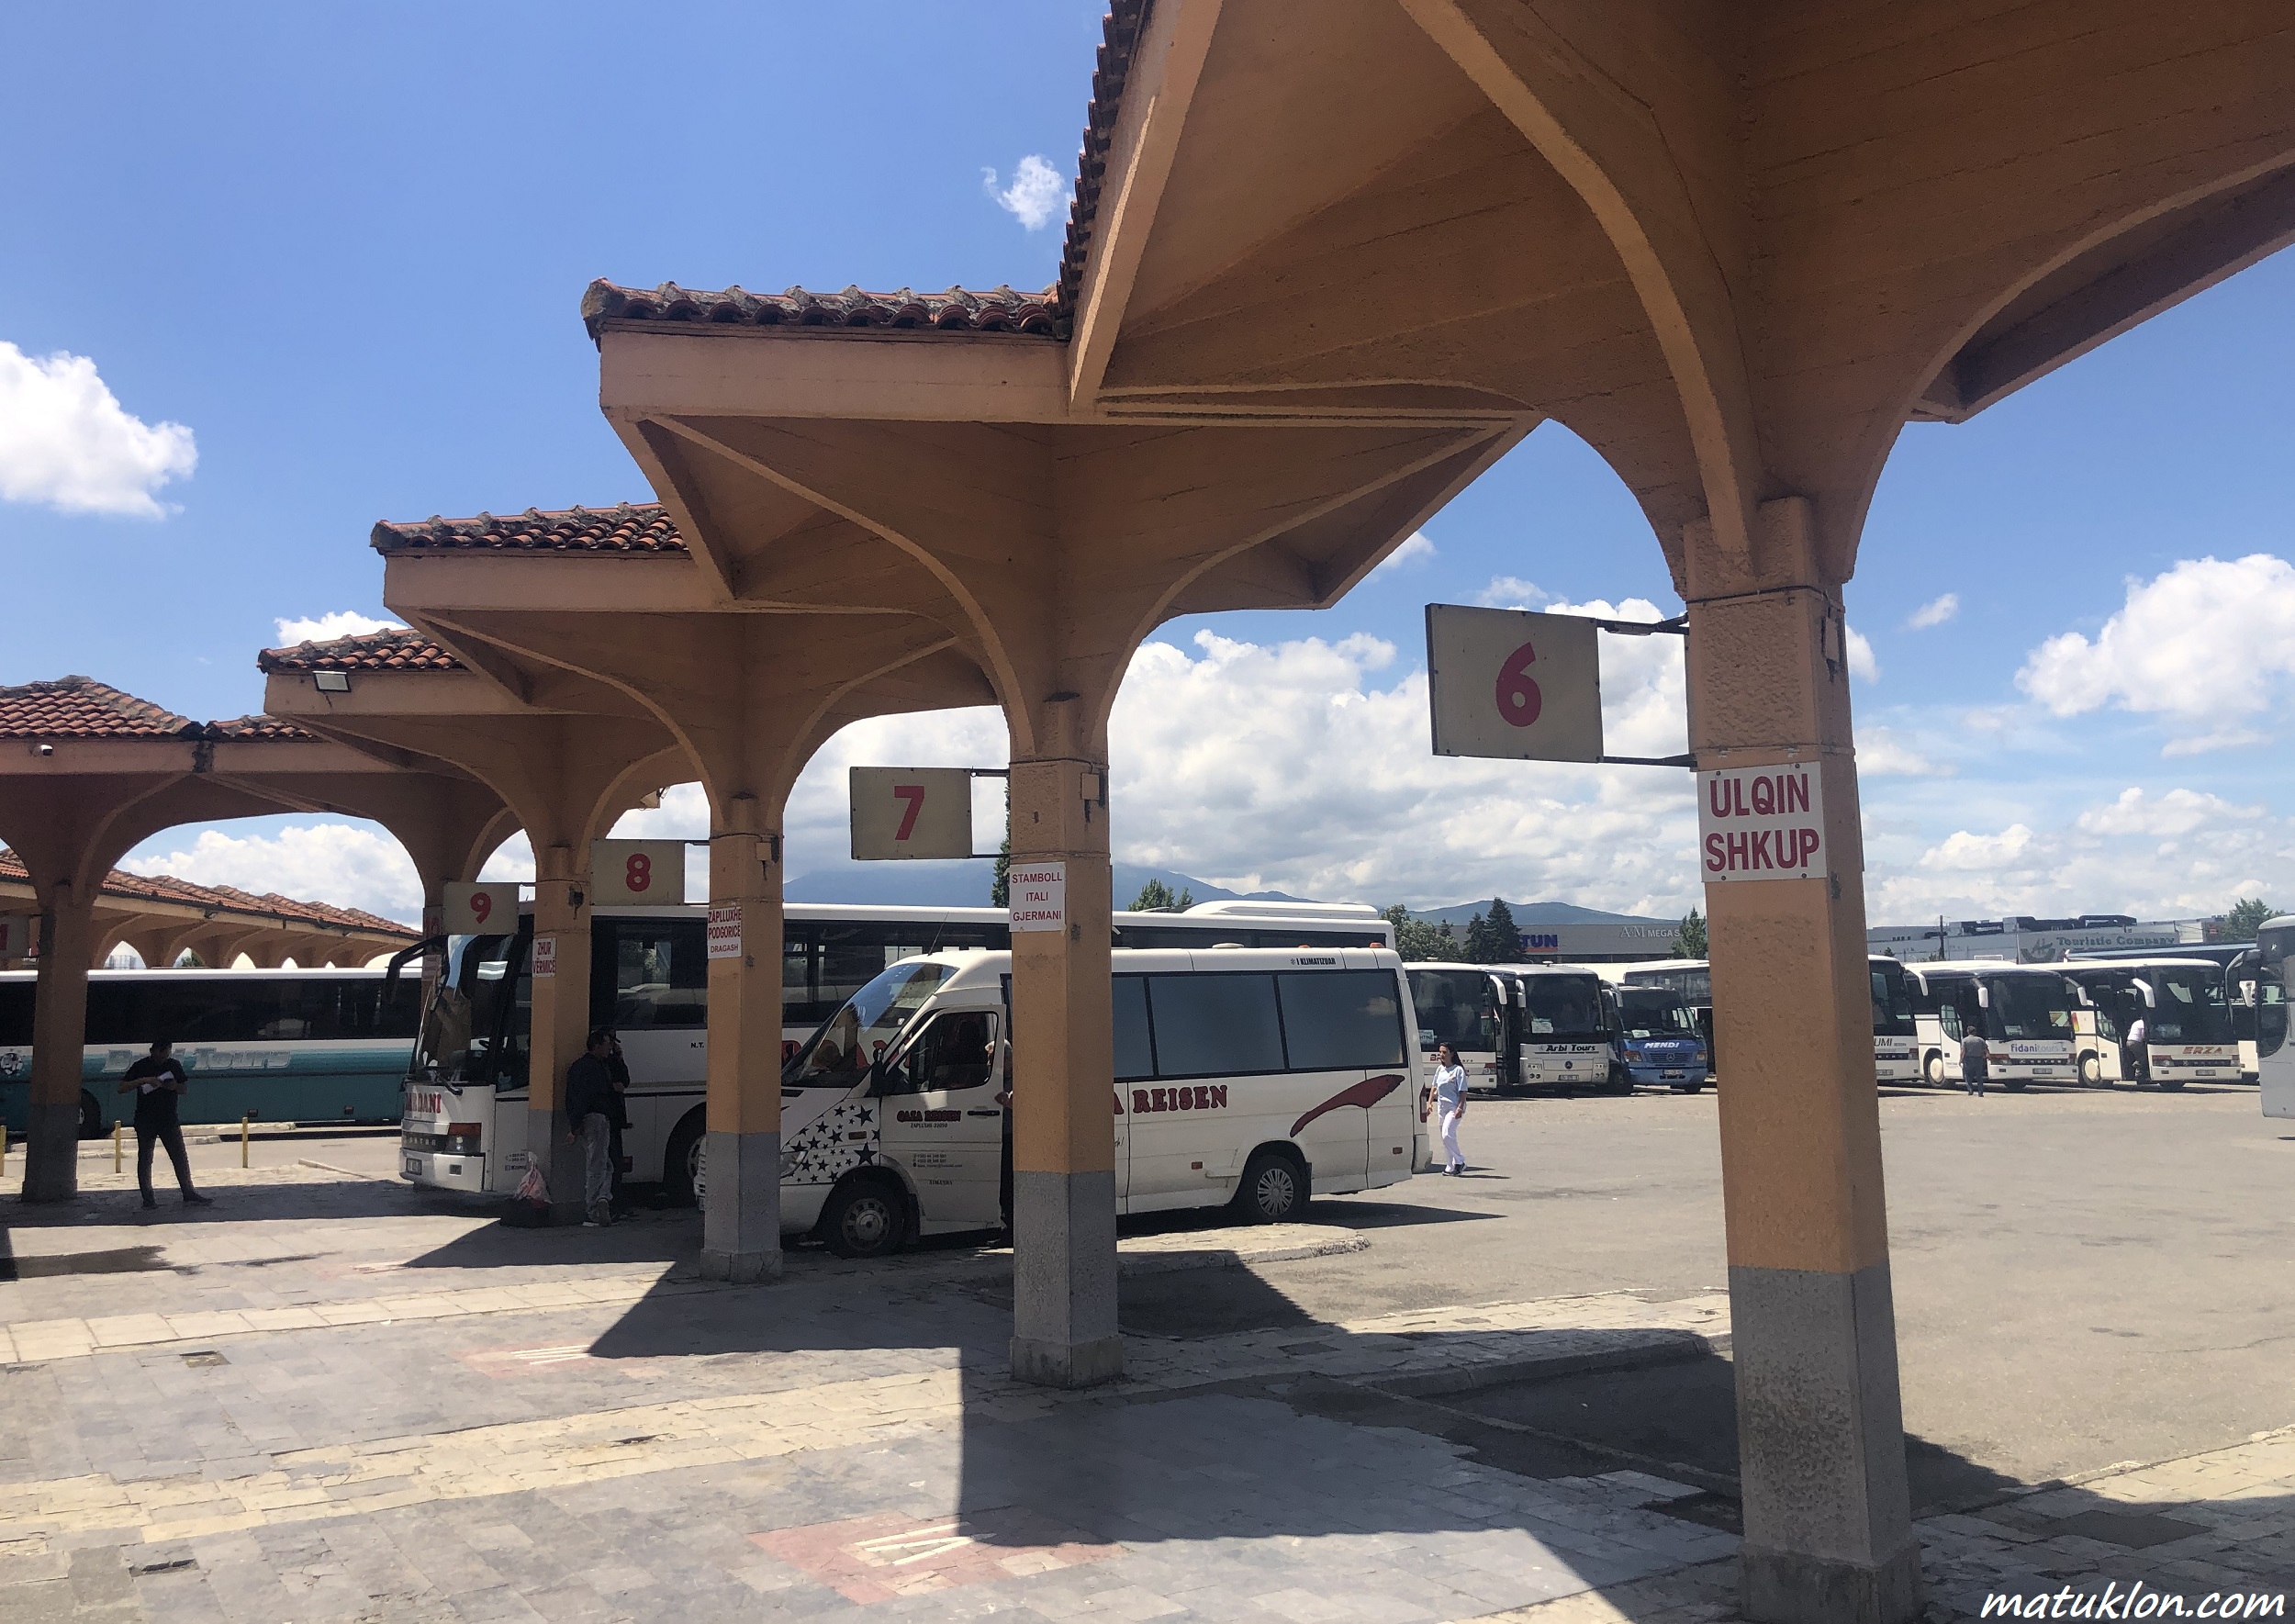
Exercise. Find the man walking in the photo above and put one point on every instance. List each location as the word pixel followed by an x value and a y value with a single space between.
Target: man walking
pixel 1976 1060
pixel 592 1102
pixel 157 1081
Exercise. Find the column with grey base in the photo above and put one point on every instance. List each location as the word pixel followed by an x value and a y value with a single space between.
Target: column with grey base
pixel 1063 1279
pixel 51 1146
pixel 741 1192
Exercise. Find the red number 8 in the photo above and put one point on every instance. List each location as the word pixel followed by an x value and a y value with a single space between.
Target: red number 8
pixel 1518 699
pixel 637 874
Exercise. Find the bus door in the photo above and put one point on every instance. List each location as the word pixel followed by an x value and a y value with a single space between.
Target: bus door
pixel 936 1101
pixel 2275 1057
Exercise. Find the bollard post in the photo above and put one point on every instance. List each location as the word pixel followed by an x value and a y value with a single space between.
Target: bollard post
pixel 115 1147
pixel 243 1141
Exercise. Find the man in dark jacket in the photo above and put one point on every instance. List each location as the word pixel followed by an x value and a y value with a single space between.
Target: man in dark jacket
pixel 593 1100
pixel 157 1081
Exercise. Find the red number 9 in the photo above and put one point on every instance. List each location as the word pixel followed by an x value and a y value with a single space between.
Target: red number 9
pixel 1518 699
pixel 637 874
pixel 481 904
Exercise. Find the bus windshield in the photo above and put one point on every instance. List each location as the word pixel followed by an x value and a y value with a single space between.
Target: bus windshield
pixel 2187 1006
pixel 466 1018
pixel 1564 1008
pixel 2029 1007
pixel 1892 1003
pixel 1654 1012
pixel 1459 1006
pixel 860 1033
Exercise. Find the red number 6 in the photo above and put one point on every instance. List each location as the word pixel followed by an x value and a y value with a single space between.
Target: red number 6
pixel 1518 699
pixel 637 874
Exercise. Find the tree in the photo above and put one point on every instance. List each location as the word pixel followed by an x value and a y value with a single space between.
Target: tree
pixel 1689 940
pixel 1494 938
pixel 1000 888
pixel 1418 941
pixel 2247 916
pixel 1156 897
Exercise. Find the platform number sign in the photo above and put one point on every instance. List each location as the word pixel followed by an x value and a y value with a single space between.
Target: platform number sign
pixel 628 873
pixel 911 812
pixel 1513 684
pixel 479 910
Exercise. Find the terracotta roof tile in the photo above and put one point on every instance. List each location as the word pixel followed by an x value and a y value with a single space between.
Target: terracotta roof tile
pixel 165 887
pixel 1120 32
pixel 260 727
pixel 999 309
pixel 398 649
pixel 83 708
pixel 639 529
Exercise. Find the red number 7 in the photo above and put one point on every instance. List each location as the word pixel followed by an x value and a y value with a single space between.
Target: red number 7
pixel 915 795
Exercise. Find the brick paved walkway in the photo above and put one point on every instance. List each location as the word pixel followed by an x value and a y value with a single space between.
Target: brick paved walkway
pixel 269 1424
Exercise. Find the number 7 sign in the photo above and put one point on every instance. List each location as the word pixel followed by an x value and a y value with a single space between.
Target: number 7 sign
pixel 1515 684
pixel 911 812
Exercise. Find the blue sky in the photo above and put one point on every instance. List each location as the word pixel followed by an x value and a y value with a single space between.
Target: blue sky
pixel 343 249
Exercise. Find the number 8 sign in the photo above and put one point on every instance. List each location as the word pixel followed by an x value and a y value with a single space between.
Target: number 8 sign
pixel 624 873
pixel 1515 684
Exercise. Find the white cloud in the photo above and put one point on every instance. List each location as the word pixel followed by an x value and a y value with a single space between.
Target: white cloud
pixel 348 864
pixel 1034 195
pixel 2178 813
pixel 2206 640
pixel 1511 592
pixel 1416 549
pixel 1861 664
pixel 341 622
pixel 66 443
pixel 1881 754
pixel 1934 612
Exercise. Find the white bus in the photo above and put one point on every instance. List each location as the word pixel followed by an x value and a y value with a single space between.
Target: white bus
pixel 1469 1007
pixel 1253 1077
pixel 1568 1030
pixel 466 1118
pixel 2186 1021
pixel 279 1046
pixel 2275 1057
pixel 2024 1013
pixel 1895 1032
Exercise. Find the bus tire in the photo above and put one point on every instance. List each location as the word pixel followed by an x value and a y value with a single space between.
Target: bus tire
pixel 866 1216
pixel 680 1170
pixel 2092 1072
pixel 1274 1188
pixel 91 1123
pixel 1933 1070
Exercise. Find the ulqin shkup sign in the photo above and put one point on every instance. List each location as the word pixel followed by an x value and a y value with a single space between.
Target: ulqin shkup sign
pixel 1760 822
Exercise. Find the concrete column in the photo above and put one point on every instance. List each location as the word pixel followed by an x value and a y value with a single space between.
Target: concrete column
pixel 52 1147
pixel 1828 1522
pixel 741 1204
pixel 433 925
pixel 561 1021
pixel 1064 1332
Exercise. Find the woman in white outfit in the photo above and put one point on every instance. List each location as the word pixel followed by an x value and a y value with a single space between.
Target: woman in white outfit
pixel 1449 1099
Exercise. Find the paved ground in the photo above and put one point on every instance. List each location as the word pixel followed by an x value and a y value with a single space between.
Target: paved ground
pixel 331 1397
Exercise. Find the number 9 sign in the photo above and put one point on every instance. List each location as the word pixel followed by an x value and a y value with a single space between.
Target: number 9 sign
pixel 1513 684
pixel 623 873
pixel 479 910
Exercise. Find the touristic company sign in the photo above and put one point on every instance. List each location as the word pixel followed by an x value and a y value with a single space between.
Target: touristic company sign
pixel 546 956
pixel 724 931
pixel 911 812
pixel 1513 684
pixel 625 872
pixel 1039 896
pixel 478 910
pixel 1760 822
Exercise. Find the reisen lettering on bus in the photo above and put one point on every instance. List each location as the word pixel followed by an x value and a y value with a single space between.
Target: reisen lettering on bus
pixel 1764 822
pixel 1202 1097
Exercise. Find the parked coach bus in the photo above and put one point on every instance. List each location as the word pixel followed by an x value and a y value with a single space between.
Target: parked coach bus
pixel 2275 1057
pixel 281 1045
pixel 2024 1013
pixel 2188 1033
pixel 465 1125
pixel 1471 1008
pixel 1895 1032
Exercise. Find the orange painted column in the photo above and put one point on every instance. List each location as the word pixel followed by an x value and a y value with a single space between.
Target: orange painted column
pixel 1064 1330
pixel 52 1142
pixel 560 1020
pixel 1827 1515
pixel 741 1198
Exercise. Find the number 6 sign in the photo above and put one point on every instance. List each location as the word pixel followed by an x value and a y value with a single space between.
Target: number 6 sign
pixel 1508 683
pixel 624 873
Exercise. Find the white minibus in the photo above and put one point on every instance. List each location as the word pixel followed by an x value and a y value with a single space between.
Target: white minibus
pixel 2024 1013
pixel 2188 1033
pixel 1249 1076
pixel 465 1122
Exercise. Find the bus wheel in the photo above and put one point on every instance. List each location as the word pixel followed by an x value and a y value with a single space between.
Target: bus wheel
pixel 1274 1190
pixel 1933 1069
pixel 865 1218
pixel 681 1163
pixel 92 1123
pixel 2092 1072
